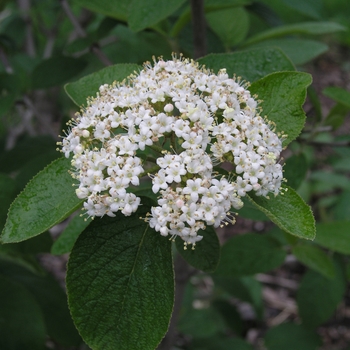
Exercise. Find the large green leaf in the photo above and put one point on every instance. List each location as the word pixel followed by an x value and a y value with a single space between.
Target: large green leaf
pixel 89 85
pixel 22 324
pixel 67 238
pixel 291 336
pixel 251 65
pixel 289 212
pixel 249 254
pixel 315 259
pixel 120 283
pixel 51 298
pixel 47 199
pixel 143 14
pixel 283 95
pixel 56 70
pixel 231 24
pixel 318 297
pixel 207 253
pixel 334 235
pixel 303 28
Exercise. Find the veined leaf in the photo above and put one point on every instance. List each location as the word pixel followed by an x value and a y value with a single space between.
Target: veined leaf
pixel 283 95
pixel 120 283
pixel 46 200
pixel 289 212
pixel 251 65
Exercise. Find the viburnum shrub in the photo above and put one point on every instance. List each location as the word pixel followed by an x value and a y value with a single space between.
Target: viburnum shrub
pixel 176 149
pixel 190 122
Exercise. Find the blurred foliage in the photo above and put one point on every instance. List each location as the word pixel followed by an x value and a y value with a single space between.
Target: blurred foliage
pixel 48 51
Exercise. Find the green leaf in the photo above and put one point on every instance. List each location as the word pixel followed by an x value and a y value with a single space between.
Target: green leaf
pixel 315 259
pixel 334 236
pixel 47 199
pixel 207 253
pixel 89 85
pixel 318 297
pixel 311 8
pixel 120 283
pixel 231 25
pixel 337 115
pixel 22 324
pixel 342 208
pixel 283 95
pixel 146 14
pixel 338 94
pixel 50 297
pixel 251 65
pixel 291 336
pixel 300 51
pixel 201 323
pixel 137 47
pixel 249 254
pixel 325 181
pixel 295 170
pixel 55 71
pixel 315 28
pixel 289 212
pixel 69 235
pixel 245 288
pixel 116 9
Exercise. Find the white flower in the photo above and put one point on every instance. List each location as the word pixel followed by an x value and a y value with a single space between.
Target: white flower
pixel 183 121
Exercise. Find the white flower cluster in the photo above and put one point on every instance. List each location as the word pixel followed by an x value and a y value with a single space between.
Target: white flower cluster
pixel 187 121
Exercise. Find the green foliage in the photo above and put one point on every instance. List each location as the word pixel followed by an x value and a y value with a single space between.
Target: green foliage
pixel 56 71
pixel 69 235
pixel 298 28
pixel 249 254
pixel 283 210
pixel 283 95
pixel 120 279
pixel 231 25
pixel 120 284
pixel 315 258
pixel 207 254
pixel 36 299
pixel 251 65
pixel 49 198
pixel 290 336
pixel 23 324
pixel 334 235
pixel 87 86
pixel 318 296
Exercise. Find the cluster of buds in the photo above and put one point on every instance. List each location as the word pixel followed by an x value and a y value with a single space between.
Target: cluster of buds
pixel 175 123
